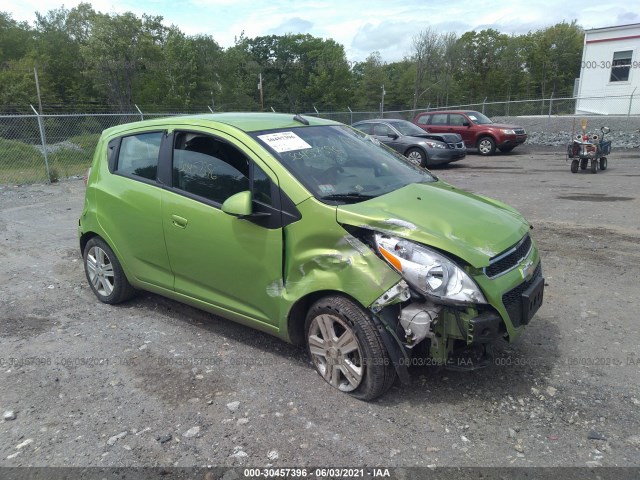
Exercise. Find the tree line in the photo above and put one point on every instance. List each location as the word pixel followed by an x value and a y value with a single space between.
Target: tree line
pixel 88 60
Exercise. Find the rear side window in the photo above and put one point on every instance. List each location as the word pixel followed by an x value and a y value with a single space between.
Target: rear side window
pixel 423 120
pixel 208 167
pixel 365 127
pixel 139 155
pixel 439 119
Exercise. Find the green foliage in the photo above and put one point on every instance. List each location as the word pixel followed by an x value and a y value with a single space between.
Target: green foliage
pixel 86 142
pixel 86 58
pixel 13 152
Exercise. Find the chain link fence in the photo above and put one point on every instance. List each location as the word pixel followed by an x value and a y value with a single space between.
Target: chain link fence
pixel 618 105
pixel 42 148
pixel 45 148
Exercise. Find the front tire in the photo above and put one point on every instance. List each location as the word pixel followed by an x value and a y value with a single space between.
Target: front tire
pixel 104 273
pixel 417 157
pixel 574 166
pixel 486 146
pixel 594 165
pixel 346 348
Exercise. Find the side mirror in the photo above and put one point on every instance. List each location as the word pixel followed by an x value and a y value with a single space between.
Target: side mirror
pixel 466 123
pixel 605 130
pixel 238 205
pixel 393 136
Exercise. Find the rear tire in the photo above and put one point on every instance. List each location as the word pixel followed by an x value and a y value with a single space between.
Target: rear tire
pixel 104 273
pixel 603 163
pixel 486 146
pixel 594 165
pixel 583 164
pixel 346 348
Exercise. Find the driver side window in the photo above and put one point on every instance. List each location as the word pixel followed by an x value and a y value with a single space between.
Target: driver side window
pixel 208 167
pixel 382 130
pixel 456 120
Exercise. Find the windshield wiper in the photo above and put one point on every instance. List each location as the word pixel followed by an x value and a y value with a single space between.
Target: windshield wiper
pixel 347 196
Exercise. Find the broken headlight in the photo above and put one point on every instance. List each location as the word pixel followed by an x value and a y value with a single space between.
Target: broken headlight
pixel 428 271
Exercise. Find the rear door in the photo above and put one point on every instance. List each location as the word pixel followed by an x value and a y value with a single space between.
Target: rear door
pixel 128 198
pixel 234 264
pixel 438 123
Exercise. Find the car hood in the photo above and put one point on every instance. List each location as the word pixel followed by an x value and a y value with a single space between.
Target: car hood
pixel 422 139
pixel 505 125
pixel 443 137
pixel 437 214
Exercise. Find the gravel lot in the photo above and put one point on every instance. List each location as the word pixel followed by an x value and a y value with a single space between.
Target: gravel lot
pixel 156 383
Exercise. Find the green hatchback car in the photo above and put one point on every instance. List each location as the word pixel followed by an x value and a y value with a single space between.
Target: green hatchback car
pixel 312 231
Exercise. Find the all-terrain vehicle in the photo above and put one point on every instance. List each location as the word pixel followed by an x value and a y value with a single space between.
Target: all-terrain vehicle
pixel 587 148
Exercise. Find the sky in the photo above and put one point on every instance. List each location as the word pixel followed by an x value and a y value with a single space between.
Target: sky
pixel 361 27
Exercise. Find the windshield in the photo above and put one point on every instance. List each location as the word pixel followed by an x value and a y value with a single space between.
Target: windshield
pixel 479 118
pixel 339 164
pixel 407 128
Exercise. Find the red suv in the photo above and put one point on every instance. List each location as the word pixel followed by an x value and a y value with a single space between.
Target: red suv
pixel 477 130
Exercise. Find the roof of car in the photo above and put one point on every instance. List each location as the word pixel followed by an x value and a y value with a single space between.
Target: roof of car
pixel 245 121
pixel 450 111
pixel 376 120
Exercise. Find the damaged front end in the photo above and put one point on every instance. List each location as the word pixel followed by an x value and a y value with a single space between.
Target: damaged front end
pixel 443 313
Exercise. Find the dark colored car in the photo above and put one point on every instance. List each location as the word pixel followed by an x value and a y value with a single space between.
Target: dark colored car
pixel 422 148
pixel 477 130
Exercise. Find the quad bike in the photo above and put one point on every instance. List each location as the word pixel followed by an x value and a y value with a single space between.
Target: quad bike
pixel 587 148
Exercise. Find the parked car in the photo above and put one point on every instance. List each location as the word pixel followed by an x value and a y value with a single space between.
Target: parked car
pixel 309 230
pixel 477 130
pixel 422 148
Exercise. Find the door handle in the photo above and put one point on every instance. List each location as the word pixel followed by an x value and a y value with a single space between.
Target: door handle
pixel 179 221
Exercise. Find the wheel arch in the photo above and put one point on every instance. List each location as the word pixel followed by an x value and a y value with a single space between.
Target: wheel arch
pixel 298 312
pixel 85 237
pixel 486 134
pixel 416 147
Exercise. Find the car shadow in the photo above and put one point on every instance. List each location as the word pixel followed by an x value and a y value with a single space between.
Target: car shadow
pixel 513 371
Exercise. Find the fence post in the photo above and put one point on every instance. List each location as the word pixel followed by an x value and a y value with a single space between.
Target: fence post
pixel 508 100
pixel 350 116
pixel 631 102
pixel 550 107
pixel 43 138
pixel 317 112
pixel 483 103
pixel 141 115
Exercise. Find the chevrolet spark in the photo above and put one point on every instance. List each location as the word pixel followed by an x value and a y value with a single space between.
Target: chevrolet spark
pixel 312 231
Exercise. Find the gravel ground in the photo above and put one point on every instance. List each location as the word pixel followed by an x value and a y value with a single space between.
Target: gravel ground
pixel 156 383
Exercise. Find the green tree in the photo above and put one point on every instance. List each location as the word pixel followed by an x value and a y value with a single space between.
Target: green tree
pixel 124 57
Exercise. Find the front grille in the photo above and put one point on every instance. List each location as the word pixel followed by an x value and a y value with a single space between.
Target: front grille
pixel 456 146
pixel 509 259
pixel 512 300
pixel 519 131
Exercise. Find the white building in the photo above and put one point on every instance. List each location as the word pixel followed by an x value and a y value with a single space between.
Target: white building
pixel 610 68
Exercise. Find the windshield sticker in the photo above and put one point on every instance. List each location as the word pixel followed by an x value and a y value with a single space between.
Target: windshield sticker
pixel 284 141
pixel 327 189
pixel 472 117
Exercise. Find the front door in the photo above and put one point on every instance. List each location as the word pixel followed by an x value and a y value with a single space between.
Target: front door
pixel 456 125
pixel 231 263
